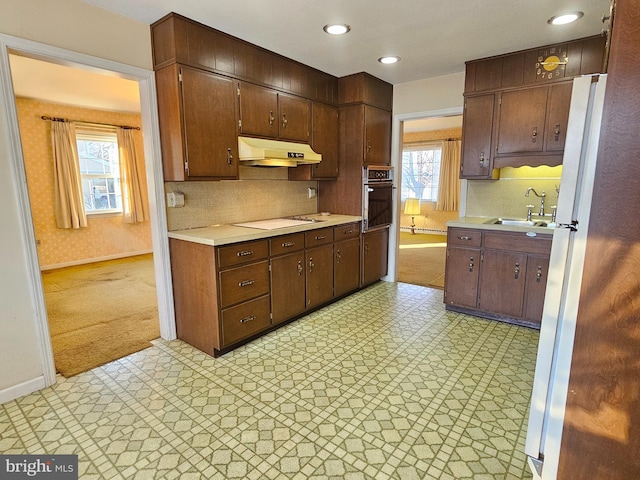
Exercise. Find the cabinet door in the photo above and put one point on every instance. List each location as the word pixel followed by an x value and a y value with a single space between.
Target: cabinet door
pixel 324 139
pixel 377 136
pixel 294 116
pixel 502 281
pixel 558 116
pixel 287 286
pixel 477 126
pixel 258 111
pixel 319 263
pixel 346 266
pixel 461 276
pixel 375 251
pixel 209 105
pixel 522 121
pixel 537 271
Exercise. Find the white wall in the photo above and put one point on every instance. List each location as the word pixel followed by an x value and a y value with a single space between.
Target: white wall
pixel 72 25
pixel 428 95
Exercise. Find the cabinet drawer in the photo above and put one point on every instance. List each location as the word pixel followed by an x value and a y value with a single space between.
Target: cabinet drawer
pixel 518 242
pixel 244 320
pixel 344 232
pixel 286 244
pixel 240 253
pixel 243 283
pixel 465 237
pixel 319 237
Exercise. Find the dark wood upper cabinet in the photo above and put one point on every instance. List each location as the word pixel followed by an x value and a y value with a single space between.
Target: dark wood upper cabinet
pixel 477 127
pixel 324 133
pixel 177 39
pixel 266 113
pixel 192 104
pixel 528 125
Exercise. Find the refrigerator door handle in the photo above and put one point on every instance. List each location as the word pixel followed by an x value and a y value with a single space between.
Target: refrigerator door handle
pixel 573 226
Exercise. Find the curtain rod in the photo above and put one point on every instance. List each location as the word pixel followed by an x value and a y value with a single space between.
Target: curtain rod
pixel 59 119
pixel 435 140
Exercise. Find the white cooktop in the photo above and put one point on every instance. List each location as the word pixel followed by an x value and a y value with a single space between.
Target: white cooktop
pixel 273 223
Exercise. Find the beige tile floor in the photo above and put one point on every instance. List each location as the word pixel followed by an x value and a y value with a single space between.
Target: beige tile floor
pixel 383 384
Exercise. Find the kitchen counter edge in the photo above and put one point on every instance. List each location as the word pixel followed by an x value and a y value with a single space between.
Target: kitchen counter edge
pixel 480 224
pixel 226 234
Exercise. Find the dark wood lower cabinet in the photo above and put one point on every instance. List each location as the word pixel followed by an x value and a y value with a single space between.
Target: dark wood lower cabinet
pixel 461 279
pixel 502 280
pixel 375 255
pixel 346 266
pixel 499 275
pixel 319 262
pixel 227 295
pixel 288 286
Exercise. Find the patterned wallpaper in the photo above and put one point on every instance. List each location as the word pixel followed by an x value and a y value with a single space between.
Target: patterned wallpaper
pixel 106 236
pixel 430 219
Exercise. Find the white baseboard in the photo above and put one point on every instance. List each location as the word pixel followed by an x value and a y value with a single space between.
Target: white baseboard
pixel 22 389
pixel 93 260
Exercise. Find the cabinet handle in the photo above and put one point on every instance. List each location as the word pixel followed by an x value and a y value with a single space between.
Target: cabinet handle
pixel 534 134
pixel 338 256
pixel 465 238
pixel 247 319
pixel 320 237
pixel 366 249
pixel 300 269
pixel 284 120
pixel 539 273
pixel 288 244
pixel 368 147
pixel 244 253
pixel 271 118
pixel 516 271
pixel 471 264
pixel 311 265
pixel 482 159
pixel 346 232
pixel 246 283
pixel 229 157
pixel 557 132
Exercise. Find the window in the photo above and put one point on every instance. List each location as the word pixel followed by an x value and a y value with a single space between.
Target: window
pixel 99 170
pixel 421 172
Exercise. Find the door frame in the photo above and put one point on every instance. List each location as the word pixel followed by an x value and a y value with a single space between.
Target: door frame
pixel 153 167
pixel 397 131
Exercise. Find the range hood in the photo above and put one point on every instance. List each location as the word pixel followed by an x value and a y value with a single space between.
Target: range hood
pixel 272 153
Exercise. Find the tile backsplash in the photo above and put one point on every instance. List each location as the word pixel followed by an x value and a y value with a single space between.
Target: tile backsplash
pixel 259 194
pixel 505 197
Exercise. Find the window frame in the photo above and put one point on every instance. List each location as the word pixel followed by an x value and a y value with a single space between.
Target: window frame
pixel 101 134
pixel 408 192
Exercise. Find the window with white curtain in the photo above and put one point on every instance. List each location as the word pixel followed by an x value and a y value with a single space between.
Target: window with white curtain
pixel 421 171
pixel 99 170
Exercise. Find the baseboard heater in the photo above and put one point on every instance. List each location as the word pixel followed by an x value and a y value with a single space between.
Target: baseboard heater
pixel 434 231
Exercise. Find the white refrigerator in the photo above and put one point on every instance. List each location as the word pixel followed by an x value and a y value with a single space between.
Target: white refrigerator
pixel 557 330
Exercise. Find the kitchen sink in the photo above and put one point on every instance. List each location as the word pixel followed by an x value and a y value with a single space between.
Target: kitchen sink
pixel 517 222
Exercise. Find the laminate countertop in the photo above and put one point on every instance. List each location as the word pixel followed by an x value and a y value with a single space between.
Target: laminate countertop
pixel 225 234
pixel 486 223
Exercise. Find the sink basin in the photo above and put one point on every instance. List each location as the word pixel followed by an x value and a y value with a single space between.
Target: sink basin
pixel 517 222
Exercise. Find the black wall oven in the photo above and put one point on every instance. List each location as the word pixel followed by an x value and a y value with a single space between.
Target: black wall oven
pixel 377 197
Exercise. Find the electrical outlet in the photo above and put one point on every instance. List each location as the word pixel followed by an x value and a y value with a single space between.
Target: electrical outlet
pixel 312 192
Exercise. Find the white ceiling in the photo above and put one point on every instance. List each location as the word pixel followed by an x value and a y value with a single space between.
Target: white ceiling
pixel 432 37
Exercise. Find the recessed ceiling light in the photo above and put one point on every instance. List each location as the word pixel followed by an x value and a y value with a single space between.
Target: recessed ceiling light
pixel 565 18
pixel 389 60
pixel 336 28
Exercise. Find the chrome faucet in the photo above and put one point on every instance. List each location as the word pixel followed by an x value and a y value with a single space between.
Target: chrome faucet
pixel 539 195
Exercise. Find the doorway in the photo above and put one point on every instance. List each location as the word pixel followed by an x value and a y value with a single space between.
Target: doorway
pixel 146 87
pixel 421 236
pixel 79 266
